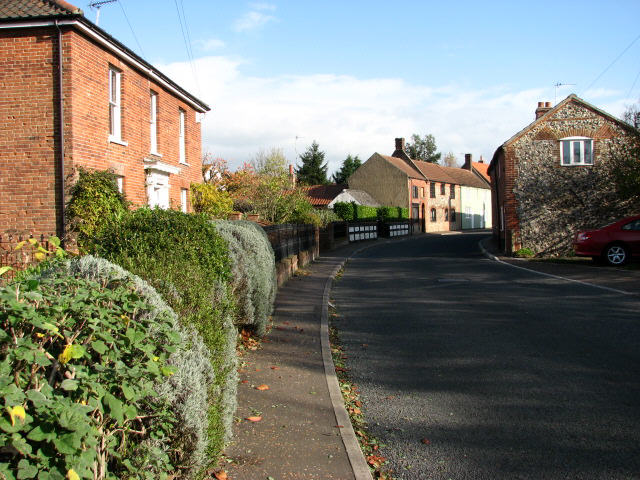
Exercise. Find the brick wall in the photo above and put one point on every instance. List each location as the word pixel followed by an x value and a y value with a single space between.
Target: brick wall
pixel 89 144
pixel 440 203
pixel 28 131
pixel 30 179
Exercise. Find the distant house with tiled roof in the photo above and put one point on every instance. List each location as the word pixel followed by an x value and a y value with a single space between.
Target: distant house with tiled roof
pixel 431 195
pixel 73 96
pixel 481 169
pixel 551 179
pixel 321 196
pixel 475 197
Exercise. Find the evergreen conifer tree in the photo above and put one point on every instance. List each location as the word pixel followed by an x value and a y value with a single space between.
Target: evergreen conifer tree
pixel 313 170
pixel 349 165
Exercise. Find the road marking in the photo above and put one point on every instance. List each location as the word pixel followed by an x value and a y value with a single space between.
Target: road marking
pixel 557 277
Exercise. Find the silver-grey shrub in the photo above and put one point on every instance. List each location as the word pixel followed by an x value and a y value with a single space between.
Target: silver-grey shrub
pixel 253 270
pixel 187 389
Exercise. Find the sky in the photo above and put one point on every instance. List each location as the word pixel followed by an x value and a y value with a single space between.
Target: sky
pixel 354 75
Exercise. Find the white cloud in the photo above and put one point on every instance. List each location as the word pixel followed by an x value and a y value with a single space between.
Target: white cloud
pixel 262 6
pixel 346 114
pixel 210 44
pixel 252 20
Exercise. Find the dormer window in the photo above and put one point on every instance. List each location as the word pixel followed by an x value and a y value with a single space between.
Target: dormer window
pixel 576 151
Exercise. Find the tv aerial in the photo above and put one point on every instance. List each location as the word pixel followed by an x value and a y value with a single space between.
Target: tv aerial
pixel 97 4
pixel 557 85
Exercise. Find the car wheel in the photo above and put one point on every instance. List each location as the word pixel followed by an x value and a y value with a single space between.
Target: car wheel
pixel 616 254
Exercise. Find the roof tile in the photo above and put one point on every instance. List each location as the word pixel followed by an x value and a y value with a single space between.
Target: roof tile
pixel 20 9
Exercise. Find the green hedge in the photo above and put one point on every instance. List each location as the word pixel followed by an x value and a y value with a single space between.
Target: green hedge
pixel 186 260
pixel 253 272
pixel 365 213
pixel 350 211
pixel 79 367
pixel 187 389
pixel 345 210
pixel 94 204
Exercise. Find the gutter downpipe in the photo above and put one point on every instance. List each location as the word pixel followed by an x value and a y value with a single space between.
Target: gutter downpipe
pixel 61 126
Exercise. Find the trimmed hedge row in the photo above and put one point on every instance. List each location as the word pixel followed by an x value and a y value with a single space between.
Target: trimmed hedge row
pixel 253 272
pixel 350 212
pixel 98 379
pixel 186 260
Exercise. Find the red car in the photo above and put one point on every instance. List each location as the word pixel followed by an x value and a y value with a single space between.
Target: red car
pixel 615 244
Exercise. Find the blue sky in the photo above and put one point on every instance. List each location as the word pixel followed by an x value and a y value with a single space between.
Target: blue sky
pixel 353 75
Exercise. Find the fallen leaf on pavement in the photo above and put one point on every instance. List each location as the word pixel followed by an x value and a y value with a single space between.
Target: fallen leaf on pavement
pixel 275 368
pixel 339 426
pixel 245 381
pixel 426 441
pixel 254 419
pixel 262 387
pixel 221 475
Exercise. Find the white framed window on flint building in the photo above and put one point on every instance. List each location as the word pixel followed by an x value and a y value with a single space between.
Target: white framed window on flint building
pixel 576 151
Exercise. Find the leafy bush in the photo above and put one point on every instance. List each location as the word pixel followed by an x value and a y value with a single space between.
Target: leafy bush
pixel 95 203
pixel 186 260
pixel 525 253
pixel 345 210
pixel 185 390
pixel 253 270
pixel 365 213
pixel 403 212
pixel 207 198
pixel 79 363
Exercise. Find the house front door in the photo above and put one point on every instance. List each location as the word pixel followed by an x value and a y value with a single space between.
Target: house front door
pixel 415 215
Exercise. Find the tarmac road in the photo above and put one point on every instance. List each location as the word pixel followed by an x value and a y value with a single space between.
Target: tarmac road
pixel 472 369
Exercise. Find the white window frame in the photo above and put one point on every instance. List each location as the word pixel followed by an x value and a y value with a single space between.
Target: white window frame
pixel 184 200
pixel 579 152
pixel 153 123
pixel 115 105
pixel 181 138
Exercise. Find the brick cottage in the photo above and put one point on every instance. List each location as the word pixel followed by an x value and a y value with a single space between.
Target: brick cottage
pixel 73 96
pixel 554 177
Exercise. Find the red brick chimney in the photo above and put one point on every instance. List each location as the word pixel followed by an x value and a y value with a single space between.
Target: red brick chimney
pixel 467 161
pixel 292 176
pixel 543 107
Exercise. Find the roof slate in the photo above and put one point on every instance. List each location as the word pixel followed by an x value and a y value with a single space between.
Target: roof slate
pixel 20 9
pixel 362 197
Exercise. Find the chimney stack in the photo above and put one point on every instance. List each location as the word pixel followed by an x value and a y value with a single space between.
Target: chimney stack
pixel 481 159
pixel 543 107
pixel 400 144
pixel 292 176
pixel 467 161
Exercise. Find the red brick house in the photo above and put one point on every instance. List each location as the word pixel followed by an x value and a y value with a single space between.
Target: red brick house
pixel 73 96
pixel 552 178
